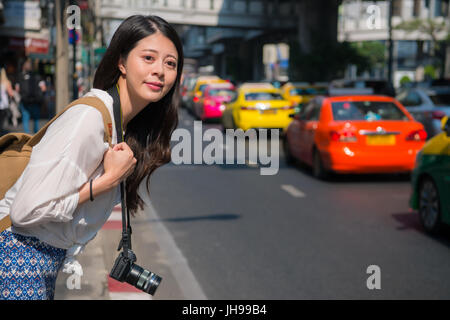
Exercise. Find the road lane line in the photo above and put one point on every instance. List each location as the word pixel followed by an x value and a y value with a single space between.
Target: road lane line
pixel 179 265
pixel 129 296
pixel 293 191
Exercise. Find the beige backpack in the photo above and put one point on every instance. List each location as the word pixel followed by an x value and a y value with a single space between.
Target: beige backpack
pixel 15 149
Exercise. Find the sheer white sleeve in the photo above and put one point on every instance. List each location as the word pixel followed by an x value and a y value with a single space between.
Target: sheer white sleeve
pixel 70 151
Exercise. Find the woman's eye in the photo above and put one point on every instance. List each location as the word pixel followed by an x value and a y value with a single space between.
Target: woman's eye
pixel 148 58
pixel 172 64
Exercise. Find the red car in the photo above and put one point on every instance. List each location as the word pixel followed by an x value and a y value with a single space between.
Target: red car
pixel 212 101
pixel 354 134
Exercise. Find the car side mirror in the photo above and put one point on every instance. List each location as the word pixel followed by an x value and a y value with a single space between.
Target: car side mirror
pixel 446 126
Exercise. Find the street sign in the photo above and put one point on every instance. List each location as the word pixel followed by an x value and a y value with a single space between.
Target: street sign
pixel 74 33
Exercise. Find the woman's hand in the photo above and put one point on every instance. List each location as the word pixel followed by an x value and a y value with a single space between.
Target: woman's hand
pixel 118 163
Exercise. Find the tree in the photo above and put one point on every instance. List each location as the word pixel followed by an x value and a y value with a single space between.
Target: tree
pixel 432 28
pixel 372 54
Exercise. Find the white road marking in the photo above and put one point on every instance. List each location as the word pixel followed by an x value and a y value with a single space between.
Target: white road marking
pixel 183 274
pixel 293 191
pixel 115 216
pixel 129 296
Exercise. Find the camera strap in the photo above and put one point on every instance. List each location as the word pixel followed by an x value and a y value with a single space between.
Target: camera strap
pixel 125 242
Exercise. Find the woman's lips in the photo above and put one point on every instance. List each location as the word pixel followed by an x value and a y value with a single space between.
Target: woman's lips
pixel 155 86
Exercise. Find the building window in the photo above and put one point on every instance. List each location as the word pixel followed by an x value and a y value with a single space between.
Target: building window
pixel 397 8
pixel 441 8
pixel 437 8
pixel 416 8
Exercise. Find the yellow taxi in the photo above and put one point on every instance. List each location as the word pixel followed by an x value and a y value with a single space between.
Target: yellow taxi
pixel 196 93
pixel 257 105
pixel 302 92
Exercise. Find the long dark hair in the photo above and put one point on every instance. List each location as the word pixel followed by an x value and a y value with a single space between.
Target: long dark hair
pixel 148 133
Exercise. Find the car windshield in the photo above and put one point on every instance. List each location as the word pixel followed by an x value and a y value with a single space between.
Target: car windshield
pixel 441 99
pixel 308 91
pixel 202 87
pixel 221 92
pixel 366 110
pixel 262 96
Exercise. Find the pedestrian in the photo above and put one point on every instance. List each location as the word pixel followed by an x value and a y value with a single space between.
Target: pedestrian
pixel 31 90
pixel 6 94
pixel 14 99
pixel 71 183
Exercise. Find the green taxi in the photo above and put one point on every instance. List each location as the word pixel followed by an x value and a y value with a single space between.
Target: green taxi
pixel 431 181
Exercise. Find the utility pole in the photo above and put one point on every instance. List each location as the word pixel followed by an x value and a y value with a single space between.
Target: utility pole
pixel 62 57
pixel 390 42
pixel 74 62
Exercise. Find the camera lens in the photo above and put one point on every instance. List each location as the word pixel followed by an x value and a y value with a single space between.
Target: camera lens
pixel 144 280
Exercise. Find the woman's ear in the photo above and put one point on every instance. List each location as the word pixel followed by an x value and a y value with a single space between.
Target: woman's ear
pixel 122 68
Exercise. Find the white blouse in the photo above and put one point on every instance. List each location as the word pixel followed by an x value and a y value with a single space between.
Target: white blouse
pixel 43 202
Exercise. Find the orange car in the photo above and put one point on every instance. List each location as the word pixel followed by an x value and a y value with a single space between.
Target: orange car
pixel 354 134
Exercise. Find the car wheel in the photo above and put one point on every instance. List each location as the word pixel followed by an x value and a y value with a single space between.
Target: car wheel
pixel 429 206
pixel 318 168
pixel 290 160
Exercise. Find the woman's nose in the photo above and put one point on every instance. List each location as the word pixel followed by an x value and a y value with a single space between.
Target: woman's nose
pixel 158 68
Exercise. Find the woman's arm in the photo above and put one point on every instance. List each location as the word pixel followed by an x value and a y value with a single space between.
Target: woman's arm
pixel 9 89
pixel 60 165
pixel 99 186
pixel 118 164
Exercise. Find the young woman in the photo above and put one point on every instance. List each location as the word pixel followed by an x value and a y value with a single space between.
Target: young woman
pixel 52 215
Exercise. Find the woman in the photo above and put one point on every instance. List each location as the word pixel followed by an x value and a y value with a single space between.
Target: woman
pixel 6 96
pixel 52 216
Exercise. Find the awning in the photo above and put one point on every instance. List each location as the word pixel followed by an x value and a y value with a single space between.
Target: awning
pixel 29 45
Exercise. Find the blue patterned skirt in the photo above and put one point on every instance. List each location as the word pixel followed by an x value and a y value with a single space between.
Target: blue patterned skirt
pixel 28 267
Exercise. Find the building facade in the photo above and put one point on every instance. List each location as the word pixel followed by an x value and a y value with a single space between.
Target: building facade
pixel 413 51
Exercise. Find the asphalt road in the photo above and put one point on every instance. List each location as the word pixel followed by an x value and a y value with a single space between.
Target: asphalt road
pixel 291 236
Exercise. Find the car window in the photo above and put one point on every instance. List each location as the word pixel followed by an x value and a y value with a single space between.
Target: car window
pixel 366 111
pixel 315 112
pixel 412 99
pixel 307 91
pixel 308 113
pixel 222 92
pixel 441 99
pixel 202 87
pixel 261 96
pixel 234 97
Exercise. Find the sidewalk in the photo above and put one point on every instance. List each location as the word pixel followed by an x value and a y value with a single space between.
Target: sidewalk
pixel 99 256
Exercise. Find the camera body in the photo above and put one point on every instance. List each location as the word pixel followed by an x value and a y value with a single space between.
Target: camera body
pixel 125 270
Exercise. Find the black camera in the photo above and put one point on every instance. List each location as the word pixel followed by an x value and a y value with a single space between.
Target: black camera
pixel 124 270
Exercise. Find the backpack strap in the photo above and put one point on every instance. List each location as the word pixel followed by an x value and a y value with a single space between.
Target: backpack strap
pixel 5 223
pixel 95 102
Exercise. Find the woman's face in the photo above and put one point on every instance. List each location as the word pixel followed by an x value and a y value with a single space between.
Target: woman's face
pixel 151 68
